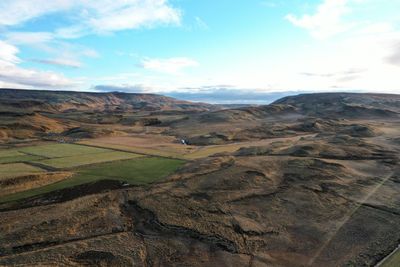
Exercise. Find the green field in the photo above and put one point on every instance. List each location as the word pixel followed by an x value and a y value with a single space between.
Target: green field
pixel 19 158
pixel 85 159
pixel 61 150
pixel 392 261
pixel 10 153
pixel 89 164
pixel 13 155
pixel 17 169
pixel 137 171
pixel 171 153
pixel 62 156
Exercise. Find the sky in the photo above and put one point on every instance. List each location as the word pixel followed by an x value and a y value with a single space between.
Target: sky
pixel 198 49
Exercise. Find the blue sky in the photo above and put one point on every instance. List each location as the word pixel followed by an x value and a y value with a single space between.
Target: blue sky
pixel 201 46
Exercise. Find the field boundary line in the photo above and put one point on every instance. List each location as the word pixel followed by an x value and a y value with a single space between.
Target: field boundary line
pixel 382 262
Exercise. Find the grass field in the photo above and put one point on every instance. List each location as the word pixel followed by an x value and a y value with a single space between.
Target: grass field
pixel 19 158
pixel 392 261
pixel 15 156
pixel 156 149
pixel 137 171
pixel 9 153
pixel 61 150
pixel 134 171
pixel 62 156
pixel 167 147
pixel 177 151
pixel 17 169
pixel 85 159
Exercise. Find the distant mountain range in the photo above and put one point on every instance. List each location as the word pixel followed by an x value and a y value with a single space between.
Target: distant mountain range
pixel 56 101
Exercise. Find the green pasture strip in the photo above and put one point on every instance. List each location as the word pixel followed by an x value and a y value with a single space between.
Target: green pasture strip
pixel 17 169
pixel 61 150
pixel 21 158
pixel 4 153
pixel 86 159
pixel 140 150
pixel 137 171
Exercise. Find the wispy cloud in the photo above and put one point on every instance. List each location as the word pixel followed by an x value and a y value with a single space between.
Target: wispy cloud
pixel 326 21
pixel 168 65
pixel 29 37
pixel 100 16
pixel 334 74
pixel 13 75
pixel 16 12
pixel 70 63
pixel 201 23
pixel 8 54
pixel 28 78
pixel 133 14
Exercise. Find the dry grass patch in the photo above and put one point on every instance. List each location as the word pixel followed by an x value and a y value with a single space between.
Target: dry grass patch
pixel 155 145
pixel 17 169
pixel 22 183
pixel 60 150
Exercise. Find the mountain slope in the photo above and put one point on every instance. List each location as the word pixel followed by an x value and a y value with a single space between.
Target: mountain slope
pixel 349 105
pixel 61 101
pixel 31 114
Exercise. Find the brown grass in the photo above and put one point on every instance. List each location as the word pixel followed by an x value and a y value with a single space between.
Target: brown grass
pixel 18 184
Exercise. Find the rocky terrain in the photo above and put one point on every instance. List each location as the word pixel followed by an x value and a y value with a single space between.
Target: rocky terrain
pixel 325 193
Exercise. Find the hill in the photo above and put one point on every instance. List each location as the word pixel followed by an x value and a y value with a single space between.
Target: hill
pixel 31 114
pixel 62 101
pixel 309 113
pixel 349 105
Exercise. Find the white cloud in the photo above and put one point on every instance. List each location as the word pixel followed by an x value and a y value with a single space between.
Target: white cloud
pixel 122 15
pixel 169 65
pixel 15 12
pixel 368 42
pixel 71 32
pixel 62 62
pixel 29 78
pixel 61 53
pixel 13 75
pixel 29 37
pixel 362 62
pixel 8 54
pixel 88 16
pixel 327 20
